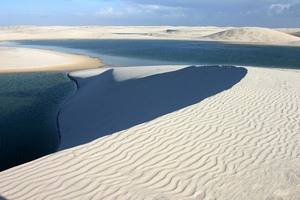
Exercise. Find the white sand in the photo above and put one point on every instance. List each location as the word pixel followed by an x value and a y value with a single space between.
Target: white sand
pixel 25 59
pixel 288 30
pixel 229 139
pixel 231 34
pixel 252 34
pixel 104 32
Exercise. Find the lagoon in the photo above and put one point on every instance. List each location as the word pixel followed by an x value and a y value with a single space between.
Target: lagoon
pixel 122 53
pixel 29 104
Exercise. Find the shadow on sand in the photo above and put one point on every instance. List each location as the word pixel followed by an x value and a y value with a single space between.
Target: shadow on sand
pixel 104 106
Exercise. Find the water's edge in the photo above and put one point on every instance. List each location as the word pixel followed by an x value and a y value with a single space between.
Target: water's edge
pixel 30 104
pixel 62 105
pixel 123 53
pixel 66 74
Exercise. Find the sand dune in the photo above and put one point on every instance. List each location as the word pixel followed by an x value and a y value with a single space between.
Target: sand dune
pixel 194 32
pixel 252 34
pixel 237 143
pixel 288 30
pixel 297 34
pixel 228 34
pixel 291 31
pixel 105 32
pixel 129 101
pixel 25 59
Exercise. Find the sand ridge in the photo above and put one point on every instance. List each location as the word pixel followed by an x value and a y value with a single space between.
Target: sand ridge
pixel 241 143
pixel 130 96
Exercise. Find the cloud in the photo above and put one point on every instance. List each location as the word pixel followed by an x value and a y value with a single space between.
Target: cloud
pixel 159 7
pixel 145 10
pixel 115 13
pixel 200 12
pixel 198 3
pixel 162 11
pixel 279 9
pixel 106 11
pixel 291 10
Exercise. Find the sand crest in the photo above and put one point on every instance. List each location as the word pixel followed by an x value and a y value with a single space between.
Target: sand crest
pixel 237 141
pixel 132 96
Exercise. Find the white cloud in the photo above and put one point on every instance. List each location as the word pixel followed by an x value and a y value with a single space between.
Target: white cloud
pixel 150 10
pixel 111 12
pixel 279 9
pixel 273 13
pixel 105 11
pixel 162 11
pixel 159 7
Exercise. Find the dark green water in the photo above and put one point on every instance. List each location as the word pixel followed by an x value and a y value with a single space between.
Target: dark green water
pixel 157 52
pixel 29 104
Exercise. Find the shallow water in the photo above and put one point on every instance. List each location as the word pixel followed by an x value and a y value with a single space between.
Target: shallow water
pixel 29 104
pixel 158 52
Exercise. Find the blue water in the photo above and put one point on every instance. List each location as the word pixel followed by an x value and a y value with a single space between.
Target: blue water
pixel 158 52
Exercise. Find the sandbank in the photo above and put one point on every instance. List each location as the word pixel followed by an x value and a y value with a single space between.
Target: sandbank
pixel 28 60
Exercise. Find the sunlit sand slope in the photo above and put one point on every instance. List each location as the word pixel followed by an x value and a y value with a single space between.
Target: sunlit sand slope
pixel 241 142
pixel 252 34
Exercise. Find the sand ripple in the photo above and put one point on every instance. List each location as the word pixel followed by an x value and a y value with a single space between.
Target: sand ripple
pixel 242 143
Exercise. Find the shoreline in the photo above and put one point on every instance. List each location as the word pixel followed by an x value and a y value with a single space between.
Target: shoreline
pixel 18 59
pixel 285 44
pixel 59 52
pixel 33 124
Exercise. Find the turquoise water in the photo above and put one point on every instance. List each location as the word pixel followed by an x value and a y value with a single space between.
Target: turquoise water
pixel 29 104
pixel 157 52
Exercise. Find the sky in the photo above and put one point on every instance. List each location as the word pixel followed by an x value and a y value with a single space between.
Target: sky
pixel 265 13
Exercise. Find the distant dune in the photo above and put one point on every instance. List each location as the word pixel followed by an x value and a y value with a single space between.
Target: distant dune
pixel 297 34
pixel 252 34
pixel 196 33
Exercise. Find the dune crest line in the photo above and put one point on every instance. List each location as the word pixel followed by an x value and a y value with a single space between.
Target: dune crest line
pixel 119 99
